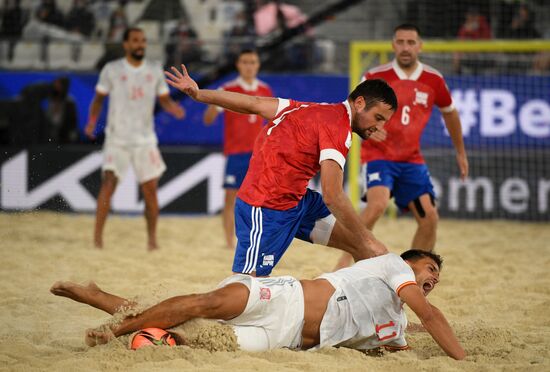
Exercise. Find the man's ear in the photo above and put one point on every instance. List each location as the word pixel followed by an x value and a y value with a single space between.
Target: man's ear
pixel 359 103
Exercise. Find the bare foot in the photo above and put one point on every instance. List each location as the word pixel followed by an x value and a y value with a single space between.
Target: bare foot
pixel 98 242
pixel 152 246
pixel 98 336
pixel 74 291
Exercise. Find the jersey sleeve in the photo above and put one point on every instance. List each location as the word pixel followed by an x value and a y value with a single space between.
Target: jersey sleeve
pixel 443 98
pixel 334 141
pixel 104 84
pixel 162 86
pixel 397 273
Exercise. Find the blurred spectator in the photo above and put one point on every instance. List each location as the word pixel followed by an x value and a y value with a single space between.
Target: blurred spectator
pixel 13 21
pixel 118 22
pixel 102 15
pixel 61 116
pixel 183 46
pixel 273 18
pixel 80 19
pixel 240 37
pixel 276 15
pixel 47 12
pixel 475 27
pixel 522 25
pixel 44 113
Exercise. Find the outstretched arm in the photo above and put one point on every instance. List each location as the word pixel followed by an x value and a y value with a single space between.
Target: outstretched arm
pixel 452 122
pixel 241 103
pixel 362 243
pixel 433 320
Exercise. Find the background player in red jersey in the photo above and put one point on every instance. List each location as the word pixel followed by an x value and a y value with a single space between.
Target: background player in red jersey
pixel 240 131
pixel 394 164
pixel 274 204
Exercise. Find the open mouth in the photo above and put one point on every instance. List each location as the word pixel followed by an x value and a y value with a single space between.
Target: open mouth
pixel 427 287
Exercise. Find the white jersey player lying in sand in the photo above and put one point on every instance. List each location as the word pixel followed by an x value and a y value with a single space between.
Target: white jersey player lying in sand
pixel 359 307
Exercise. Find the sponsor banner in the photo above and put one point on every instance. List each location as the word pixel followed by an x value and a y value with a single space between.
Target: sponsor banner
pixel 501 185
pixel 495 111
pixel 68 179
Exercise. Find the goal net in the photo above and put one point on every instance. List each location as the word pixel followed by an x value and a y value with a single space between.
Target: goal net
pixel 503 100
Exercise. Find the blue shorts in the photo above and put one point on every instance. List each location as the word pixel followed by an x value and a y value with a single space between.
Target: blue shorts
pixel 236 166
pixel 264 234
pixel 406 181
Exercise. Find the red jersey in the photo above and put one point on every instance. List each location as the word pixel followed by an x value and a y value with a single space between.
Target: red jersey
pixel 240 130
pixel 289 150
pixel 416 96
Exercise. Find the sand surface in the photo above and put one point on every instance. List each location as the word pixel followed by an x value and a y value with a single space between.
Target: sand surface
pixel 495 291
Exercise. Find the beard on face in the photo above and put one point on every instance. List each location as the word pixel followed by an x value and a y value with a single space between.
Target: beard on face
pixel 409 63
pixel 138 54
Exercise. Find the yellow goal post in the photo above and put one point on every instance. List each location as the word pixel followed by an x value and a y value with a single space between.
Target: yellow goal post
pixel 362 55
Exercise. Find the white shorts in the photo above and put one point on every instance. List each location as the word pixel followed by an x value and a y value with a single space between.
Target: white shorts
pixel 274 314
pixel 146 161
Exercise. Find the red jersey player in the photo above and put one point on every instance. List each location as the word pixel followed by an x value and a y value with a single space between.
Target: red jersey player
pixel 394 164
pixel 274 204
pixel 240 131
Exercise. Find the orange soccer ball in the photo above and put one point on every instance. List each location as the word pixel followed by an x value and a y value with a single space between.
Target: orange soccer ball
pixel 151 337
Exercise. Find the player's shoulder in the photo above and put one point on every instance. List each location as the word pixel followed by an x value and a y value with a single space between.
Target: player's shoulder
pixel 114 65
pixel 431 72
pixel 231 84
pixel 153 65
pixel 380 70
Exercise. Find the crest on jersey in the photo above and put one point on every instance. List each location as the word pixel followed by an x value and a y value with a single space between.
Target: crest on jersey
pixel 348 140
pixel 265 294
pixel 421 98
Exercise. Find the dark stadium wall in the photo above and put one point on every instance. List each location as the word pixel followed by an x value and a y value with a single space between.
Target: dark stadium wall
pixel 67 179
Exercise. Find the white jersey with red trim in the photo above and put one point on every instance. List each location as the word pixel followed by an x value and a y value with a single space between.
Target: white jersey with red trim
pixel 132 93
pixel 365 311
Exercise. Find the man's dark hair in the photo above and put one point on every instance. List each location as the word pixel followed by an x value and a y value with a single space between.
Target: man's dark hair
pixel 416 254
pixel 247 51
pixel 128 31
pixel 407 27
pixel 374 91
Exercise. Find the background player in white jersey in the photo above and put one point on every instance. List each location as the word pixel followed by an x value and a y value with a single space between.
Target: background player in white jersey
pixel 240 132
pixel 394 165
pixel 359 307
pixel 132 84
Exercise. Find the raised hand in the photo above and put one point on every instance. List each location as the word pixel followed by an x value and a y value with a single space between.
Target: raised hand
pixel 182 81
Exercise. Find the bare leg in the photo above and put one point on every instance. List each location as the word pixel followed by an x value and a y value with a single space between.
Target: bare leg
pixel 108 187
pixel 378 198
pixel 223 303
pixel 229 217
pixel 149 190
pixel 426 231
pixel 90 294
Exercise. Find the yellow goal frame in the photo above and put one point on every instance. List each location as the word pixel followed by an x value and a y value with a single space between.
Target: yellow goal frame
pixel 382 49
